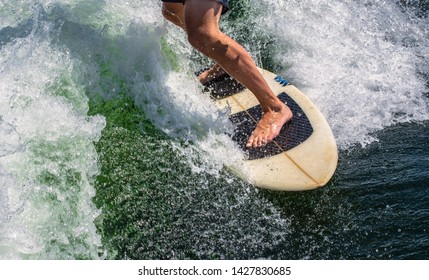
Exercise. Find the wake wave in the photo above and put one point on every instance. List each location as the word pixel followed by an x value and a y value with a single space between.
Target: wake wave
pixel 47 155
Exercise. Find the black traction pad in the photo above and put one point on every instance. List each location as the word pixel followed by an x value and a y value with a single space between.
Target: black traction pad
pixel 293 133
pixel 221 86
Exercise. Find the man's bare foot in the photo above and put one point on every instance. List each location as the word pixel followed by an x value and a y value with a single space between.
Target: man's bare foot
pixel 269 126
pixel 210 74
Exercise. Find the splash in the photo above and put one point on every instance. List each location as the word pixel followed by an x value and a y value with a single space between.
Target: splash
pixel 363 63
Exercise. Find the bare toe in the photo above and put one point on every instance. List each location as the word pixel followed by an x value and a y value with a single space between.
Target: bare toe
pixel 249 143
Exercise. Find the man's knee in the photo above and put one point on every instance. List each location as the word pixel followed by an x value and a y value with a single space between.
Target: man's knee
pixel 202 39
pixel 173 12
pixel 167 13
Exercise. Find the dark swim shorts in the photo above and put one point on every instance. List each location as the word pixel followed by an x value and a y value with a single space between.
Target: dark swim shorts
pixel 224 3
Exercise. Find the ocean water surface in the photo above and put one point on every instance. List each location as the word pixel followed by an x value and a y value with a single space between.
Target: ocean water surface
pixel 109 149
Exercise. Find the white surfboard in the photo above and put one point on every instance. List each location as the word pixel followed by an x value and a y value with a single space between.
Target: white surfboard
pixel 303 157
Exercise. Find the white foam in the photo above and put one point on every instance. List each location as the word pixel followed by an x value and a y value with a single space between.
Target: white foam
pixel 351 59
pixel 45 137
